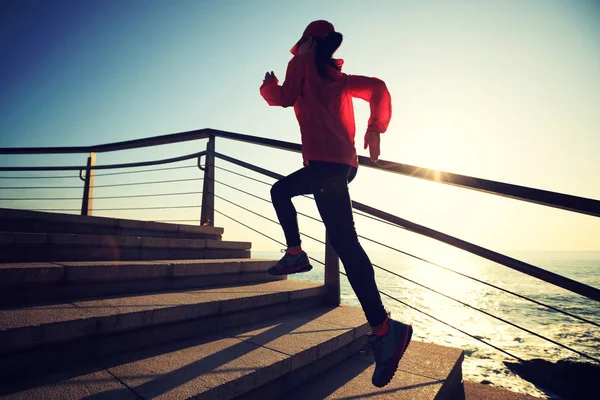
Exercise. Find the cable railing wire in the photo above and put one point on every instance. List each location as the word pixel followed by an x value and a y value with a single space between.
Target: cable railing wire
pixel 102 197
pixel 146 170
pixel 39 198
pixel 257 180
pixel 305 215
pixel 40 187
pixel 312 198
pixel 262 216
pixel 107 174
pixel 149 195
pixel 117 209
pixel 379 220
pixel 449 325
pixel 483 282
pixel 149 182
pixel 247 209
pixel 263 199
pixel 457 300
pixel 431 262
pixel 489 314
pixel 242 191
pixel 249 227
pixel 242 175
pixel 393 298
pixel 101 186
pixel 39 177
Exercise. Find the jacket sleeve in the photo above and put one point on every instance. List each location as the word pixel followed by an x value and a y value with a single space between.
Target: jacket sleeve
pixel 287 94
pixel 376 93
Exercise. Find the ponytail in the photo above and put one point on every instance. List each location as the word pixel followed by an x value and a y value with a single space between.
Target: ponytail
pixel 326 46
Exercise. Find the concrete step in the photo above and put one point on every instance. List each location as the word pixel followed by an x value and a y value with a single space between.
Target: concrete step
pixel 27 283
pixel 12 220
pixel 34 247
pixel 53 335
pixel 427 371
pixel 229 364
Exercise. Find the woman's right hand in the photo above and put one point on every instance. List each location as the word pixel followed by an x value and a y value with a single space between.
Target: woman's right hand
pixel 270 76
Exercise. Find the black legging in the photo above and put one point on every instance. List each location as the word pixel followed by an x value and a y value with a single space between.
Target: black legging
pixel 328 182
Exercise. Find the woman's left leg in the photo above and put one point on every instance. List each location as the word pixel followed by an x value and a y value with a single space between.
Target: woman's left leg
pixel 329 183
pixel 389 338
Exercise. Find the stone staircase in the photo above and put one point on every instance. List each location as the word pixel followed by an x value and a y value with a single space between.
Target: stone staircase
pixel 106 308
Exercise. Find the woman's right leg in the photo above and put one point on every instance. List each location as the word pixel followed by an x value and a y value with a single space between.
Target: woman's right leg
pixel 295 260
pixel 282 192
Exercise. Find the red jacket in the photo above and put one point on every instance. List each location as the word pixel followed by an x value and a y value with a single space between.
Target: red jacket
pixel 324 108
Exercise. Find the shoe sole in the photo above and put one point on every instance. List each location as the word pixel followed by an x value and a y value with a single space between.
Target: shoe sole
pixel 398 353
pixel 303 268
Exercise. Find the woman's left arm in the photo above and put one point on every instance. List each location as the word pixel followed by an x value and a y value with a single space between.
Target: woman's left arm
pixel 287 94
pixel 376 93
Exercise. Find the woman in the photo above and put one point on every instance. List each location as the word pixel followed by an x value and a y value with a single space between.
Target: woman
pixel 322 98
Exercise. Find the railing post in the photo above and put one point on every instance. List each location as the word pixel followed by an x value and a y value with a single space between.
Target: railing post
pixel 88 187
pixel 332 274
pixel 207 216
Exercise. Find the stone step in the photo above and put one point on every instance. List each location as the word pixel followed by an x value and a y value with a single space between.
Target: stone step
pixel 426 372
pixel 26 283
pixel 229 364
pixel 34 247
pixel 13 220
pixel 47 336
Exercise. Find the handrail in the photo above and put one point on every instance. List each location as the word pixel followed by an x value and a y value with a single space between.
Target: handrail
pixel 154 141
pixel 103 148
pixel 547 198
pixel 562 201
pixel 108 166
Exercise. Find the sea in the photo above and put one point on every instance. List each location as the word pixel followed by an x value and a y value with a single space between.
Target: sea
pixel 419 284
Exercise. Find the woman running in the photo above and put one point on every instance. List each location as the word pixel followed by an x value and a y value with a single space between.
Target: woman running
pixel 322 98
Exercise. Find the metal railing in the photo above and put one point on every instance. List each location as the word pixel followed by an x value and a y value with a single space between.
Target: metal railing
pixel 571 203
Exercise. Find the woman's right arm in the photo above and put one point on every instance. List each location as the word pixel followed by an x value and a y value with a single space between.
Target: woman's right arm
pixel 285 95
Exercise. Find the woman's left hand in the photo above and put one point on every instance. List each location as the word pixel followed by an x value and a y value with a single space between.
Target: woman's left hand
pixel 372 141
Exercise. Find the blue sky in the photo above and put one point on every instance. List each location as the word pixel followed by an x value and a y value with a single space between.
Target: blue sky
pixel 507 90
